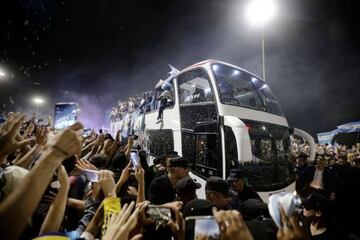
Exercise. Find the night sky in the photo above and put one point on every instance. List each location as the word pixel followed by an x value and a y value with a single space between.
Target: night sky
pixel 96 52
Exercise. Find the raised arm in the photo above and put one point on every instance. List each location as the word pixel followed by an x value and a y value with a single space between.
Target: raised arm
pixel 56 212
pixel 60 147
pixel 25 161
pixel 139 175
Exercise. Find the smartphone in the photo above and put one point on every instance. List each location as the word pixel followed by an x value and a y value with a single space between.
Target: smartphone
pixel 158 213
pixel 289 202
pixel 66 114
pixel 92 175
pixel 86 132
pixel 134 158
pixel 201 227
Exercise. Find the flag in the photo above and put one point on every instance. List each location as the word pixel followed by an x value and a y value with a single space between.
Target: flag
pixel 326 137
pixel 349 127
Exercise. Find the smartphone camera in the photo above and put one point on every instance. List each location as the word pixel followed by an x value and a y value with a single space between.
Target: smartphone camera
pixel 134 158
pixel 289 202
pixel 92 175
pixel 86 132
pixel 65 114
pixel 159 213
pixel 202 227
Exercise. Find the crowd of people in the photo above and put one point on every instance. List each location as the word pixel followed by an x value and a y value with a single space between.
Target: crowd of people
pixel 64 184
pixel 139 105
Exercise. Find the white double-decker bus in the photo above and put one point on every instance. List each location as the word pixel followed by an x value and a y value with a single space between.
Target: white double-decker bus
pixel 222 117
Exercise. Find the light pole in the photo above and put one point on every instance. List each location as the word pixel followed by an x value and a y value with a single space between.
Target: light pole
pixel 38 101
pixel 259 12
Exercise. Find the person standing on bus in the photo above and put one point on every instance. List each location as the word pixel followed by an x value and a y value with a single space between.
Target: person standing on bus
pixel 166 100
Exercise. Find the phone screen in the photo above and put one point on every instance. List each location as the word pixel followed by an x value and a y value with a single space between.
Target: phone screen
pixel 65 115
pixel 159 213
pixel 202 227
pixel 86 132
pixel 92 175
pixel 134 157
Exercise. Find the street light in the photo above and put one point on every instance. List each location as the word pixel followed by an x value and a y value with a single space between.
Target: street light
pixel 259 12
pixel 2 74
pixel 38 101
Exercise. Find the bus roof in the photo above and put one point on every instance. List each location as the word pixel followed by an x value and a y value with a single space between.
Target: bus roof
pixel 212 61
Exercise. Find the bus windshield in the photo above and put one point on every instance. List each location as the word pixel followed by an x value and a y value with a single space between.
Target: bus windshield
pixel 271 166
pixel 237 87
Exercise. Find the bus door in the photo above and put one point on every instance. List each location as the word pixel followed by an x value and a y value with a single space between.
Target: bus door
pixel 201 141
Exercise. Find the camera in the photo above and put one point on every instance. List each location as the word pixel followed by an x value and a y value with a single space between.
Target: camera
pixel 289 202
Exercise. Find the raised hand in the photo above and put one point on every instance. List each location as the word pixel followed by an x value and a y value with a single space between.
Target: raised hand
pixel 175 206
pixel 144 219
pixel 107 146
pixel 291 229
pixel 121 224
pixel 29 130
pixel 67 142
pixel 40 135
pixel 107 183
pixel 117 138
pixel 83 164
pixel 8 133
pixel 232 225
pixel 132 191
pixel 177 227
pixel 139 174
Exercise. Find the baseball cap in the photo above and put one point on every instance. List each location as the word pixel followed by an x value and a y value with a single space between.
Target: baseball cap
pixel 235 175
pixel 198 207
pixel 178 162
pixel 217 184
pixel 186 184
pixel 316 201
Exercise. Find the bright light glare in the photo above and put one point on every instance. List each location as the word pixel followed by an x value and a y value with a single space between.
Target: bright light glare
pixel 215 67
pixel 235 72
pixel 2 74
pixel 260 11
pixel 38 100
